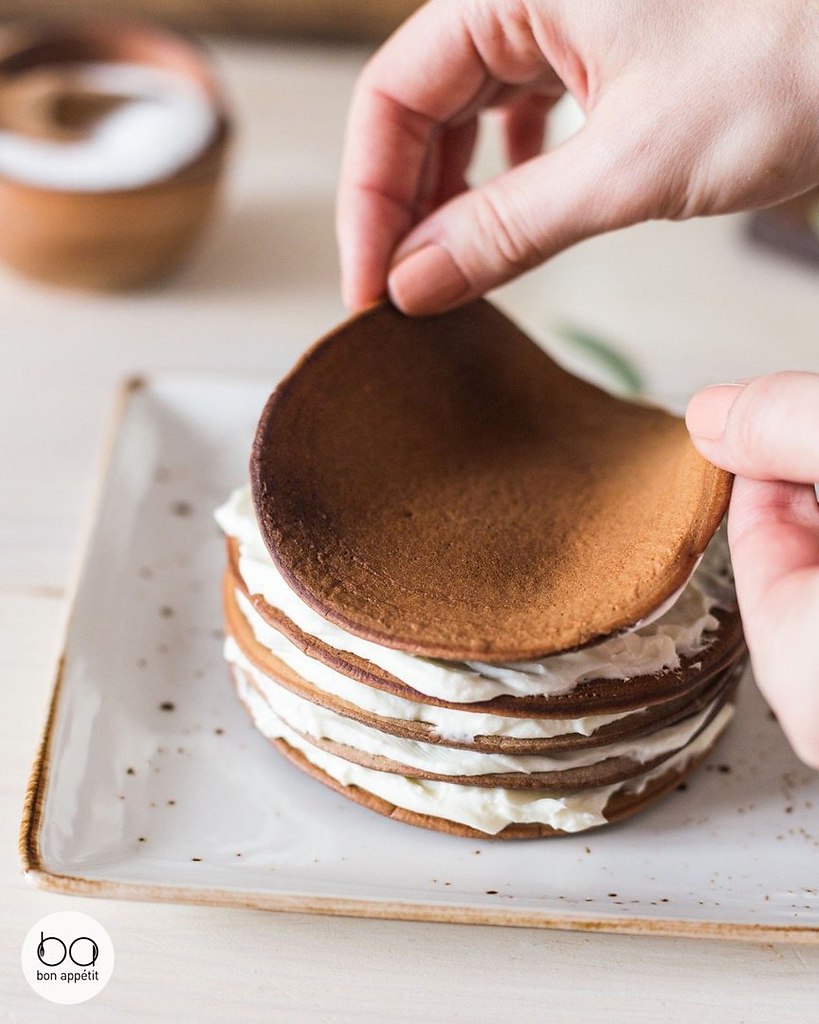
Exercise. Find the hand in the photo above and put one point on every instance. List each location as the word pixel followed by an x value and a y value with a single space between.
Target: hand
pixel 767 432
pixel 695 108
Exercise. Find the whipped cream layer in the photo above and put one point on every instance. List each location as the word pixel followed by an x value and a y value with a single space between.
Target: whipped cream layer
pixel 683 630
pixel 449 723
pixel 487 809
pixel 321 723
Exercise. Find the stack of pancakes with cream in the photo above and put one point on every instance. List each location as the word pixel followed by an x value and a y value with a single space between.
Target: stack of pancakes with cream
pixel 537 748
pixel 473 592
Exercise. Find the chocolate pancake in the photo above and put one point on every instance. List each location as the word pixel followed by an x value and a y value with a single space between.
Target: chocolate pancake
pixel 605 772
pixel 621 804
pixel 592 697
pixel 638 724
pixel 441 486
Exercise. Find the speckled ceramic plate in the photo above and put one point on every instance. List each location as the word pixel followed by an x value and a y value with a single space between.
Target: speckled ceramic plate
pixel 152 784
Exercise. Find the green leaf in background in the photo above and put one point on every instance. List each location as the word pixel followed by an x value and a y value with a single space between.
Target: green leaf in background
pixel 604 353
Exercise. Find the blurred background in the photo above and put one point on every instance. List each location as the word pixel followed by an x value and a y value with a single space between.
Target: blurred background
pixel 329 19
pixel 660 308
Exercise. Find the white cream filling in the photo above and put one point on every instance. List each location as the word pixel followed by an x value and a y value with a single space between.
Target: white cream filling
pixel 681 631
pixel 166 121
pixel 322 723
pixel 448 723
pixel 488 809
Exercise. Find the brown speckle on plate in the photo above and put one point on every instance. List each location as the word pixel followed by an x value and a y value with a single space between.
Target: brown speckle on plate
pixel 167 705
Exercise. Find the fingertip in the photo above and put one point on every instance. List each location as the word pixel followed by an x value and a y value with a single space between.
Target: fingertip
pixel 357 298
pixel 806 748
pixel 362 277
pixel 707 414
pixel 427 281
pixel 350 294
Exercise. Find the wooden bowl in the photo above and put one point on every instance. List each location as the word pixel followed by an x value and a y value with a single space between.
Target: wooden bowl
pixel 113 239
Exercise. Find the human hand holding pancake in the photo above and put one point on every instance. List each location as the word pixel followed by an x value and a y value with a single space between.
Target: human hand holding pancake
pixel 766 431
pixel 692 109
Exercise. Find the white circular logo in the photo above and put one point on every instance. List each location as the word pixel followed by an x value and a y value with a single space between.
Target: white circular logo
pixel 68 957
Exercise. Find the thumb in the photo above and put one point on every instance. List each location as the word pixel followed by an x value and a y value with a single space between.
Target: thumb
pixel 491 234
pixel 765 429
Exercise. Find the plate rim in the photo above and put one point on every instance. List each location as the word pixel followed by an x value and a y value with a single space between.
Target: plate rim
pixel 28 843
pixel 36 872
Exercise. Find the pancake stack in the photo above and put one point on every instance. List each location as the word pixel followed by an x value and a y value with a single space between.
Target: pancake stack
pixel 526 749
pixel 423 610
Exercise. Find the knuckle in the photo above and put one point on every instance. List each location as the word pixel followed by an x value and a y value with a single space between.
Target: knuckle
pixel 501 233
pixel 754 420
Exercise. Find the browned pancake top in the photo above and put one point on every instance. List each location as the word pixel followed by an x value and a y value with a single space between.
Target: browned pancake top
pixel 443 487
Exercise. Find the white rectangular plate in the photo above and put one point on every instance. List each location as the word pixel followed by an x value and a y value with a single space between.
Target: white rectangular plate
pixel 151 782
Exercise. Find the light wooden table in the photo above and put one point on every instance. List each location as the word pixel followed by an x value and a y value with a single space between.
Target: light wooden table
pixel 690 303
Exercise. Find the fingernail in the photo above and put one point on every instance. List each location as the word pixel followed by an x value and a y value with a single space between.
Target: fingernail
pixel 427 281
pixel 707 412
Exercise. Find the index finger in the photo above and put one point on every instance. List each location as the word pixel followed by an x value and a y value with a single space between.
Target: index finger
pixel 430 73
